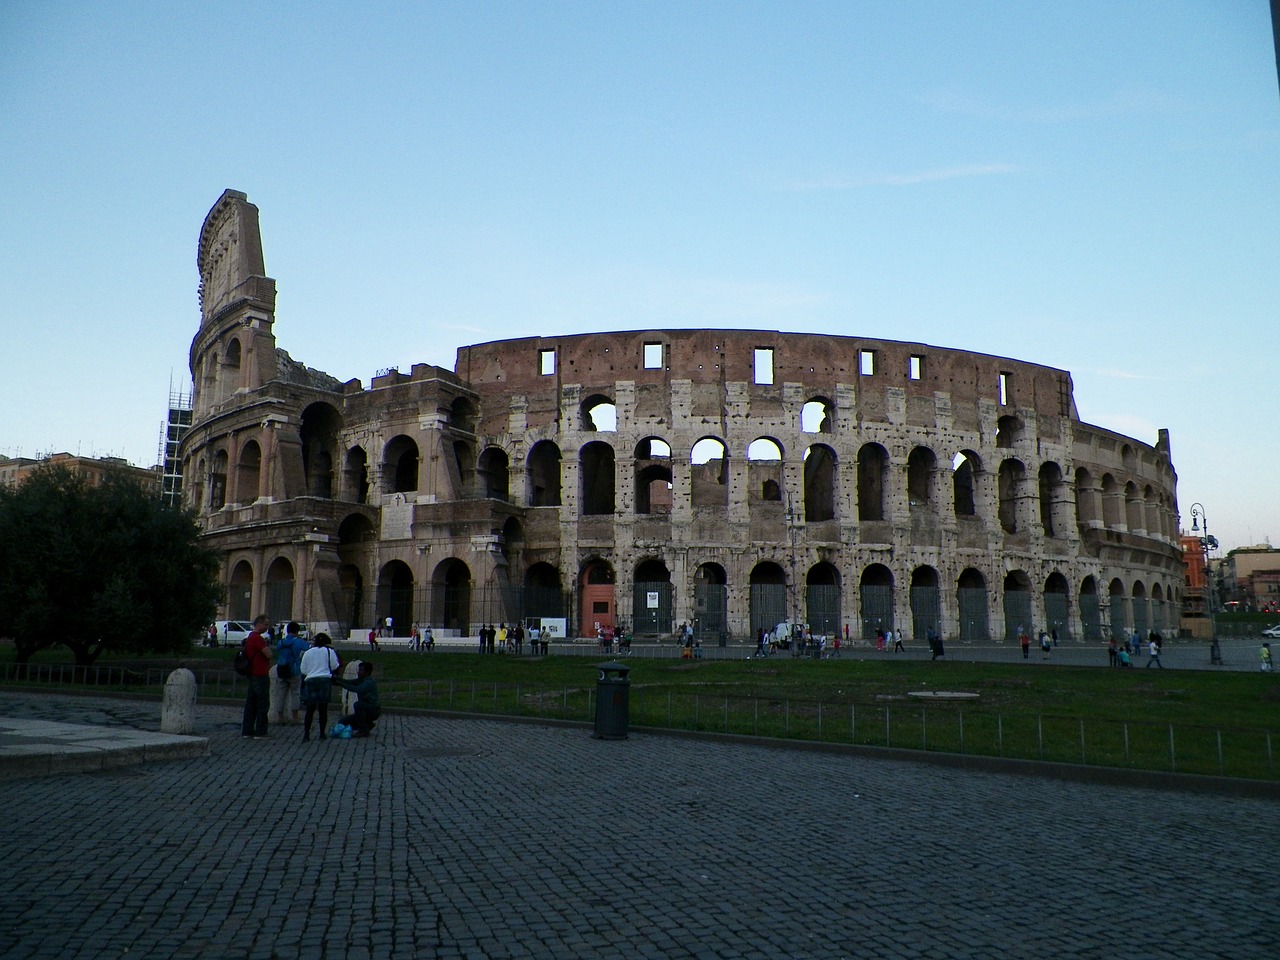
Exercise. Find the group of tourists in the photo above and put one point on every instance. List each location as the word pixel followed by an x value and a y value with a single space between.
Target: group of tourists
pixel 305 674
pixel 1122 651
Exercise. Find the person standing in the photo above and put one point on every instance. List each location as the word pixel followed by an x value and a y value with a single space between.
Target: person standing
pixel 1025 640
pixel 1044 645
pixel 1153 654
pixel 1264 659
pixel 289 653
pixel 257 700
pixel 318 667
pixel 428 641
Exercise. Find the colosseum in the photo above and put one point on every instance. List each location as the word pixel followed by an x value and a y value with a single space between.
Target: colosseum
pixel 734 479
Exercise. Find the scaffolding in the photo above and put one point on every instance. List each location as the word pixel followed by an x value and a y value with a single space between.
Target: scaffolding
pixel 175 427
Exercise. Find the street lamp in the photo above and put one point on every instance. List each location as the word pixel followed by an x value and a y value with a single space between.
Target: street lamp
pixel 1207 543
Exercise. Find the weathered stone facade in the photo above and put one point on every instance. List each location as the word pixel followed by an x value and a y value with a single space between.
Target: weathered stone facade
pixel 735 478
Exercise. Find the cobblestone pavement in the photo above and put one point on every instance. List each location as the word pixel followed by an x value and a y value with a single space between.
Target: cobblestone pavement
pixel 480 839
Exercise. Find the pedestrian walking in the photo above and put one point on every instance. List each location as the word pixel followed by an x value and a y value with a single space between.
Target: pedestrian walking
pixel 1025 640
pixel 1264 659
pixel 897 642
pixel 1153 654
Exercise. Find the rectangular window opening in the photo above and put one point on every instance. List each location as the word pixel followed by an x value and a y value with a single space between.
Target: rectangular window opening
pixel 1004 389
pixel 764 365
pixel 915 367
pixel 546 362
pixel 653 356
pixel 867 363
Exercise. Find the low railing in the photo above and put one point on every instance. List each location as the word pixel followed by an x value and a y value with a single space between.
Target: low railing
pixel 904 725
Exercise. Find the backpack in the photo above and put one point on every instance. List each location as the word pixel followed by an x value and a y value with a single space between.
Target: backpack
pixel 242 665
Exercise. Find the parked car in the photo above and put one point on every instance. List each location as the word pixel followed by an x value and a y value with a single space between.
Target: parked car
pixel 231 633
pixel 1272 632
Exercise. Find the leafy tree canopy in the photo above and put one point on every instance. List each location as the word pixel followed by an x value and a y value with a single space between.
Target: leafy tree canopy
pixel 99 568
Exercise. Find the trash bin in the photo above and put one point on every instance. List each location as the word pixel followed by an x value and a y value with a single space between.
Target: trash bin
pixel 612 701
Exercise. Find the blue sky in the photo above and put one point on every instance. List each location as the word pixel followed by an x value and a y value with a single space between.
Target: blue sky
pixel 1091 186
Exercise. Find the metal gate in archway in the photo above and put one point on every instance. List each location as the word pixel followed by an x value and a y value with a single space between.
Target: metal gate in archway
pixel 926 611
pixel 1141 623
pixel 711 611
pixel 1090 616
pixel 651 605
pixel 1057 614
pixel 768 605
pixel 822 608
pixel 877 609
pixel 974 624
pixel 1017 613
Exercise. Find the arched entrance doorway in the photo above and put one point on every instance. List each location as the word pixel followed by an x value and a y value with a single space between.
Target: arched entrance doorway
pixel 597 606
pixel 711 603
pixel 768 596
pixel 822 599
pixel 652 599
pixel 451 597
pixel 395 598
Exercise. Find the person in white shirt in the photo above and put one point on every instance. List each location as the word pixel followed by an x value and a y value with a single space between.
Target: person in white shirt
pixel 319 664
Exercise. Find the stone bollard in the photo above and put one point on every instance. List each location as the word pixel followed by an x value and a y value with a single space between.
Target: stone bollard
pixel 277 693
pixel 178 710
pixel 349 672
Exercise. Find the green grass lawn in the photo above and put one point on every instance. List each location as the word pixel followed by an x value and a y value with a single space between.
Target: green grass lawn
pixel 1190 721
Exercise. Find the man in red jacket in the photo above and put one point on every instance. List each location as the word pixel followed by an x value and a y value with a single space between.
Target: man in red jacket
pixel 258 650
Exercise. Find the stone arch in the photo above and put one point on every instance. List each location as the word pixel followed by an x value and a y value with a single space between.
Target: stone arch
pixel 1009 430
pixel 709 459
pixel 249 473
pixel 1119 609
pixel 876 596
pixel 1112 504
pixel 711 602
pixel 355 475
pixel 319 434
pixel 1140 609
pixel 463 415
pixel 596 473
pixel 1050 496
pixel 873 481
pixel 1017 606
pixel 395 597
pixel 599 414
pixel 652 598
pixel 544 474
pixel 1057 606
pixel 543 593
pixel 218 483
pixel 1090 609
pixel 1087 512
pixel 966 466
pixel 1133 513
pixel 494 473
pixel 596 590
pixel 922 467
pixel 768 603
pixel 356 529
pixel 820 483
pixel 817 415
pixel 926 602
pixel 351 596
pixel 451 596
pixel 1011 482
pixel 400 465
pixel 971 602
pixel 240 592
pixel 279 590
pixel 822 598
pixel 653 477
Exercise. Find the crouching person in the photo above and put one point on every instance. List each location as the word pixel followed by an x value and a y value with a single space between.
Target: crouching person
pixel 367 708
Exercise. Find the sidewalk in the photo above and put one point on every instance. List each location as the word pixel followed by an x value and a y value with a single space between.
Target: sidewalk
pixel 35 748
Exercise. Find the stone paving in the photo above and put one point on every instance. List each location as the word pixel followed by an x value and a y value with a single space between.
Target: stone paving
pixel 483 839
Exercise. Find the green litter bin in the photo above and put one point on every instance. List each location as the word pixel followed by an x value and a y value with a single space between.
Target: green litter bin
pixel 613 701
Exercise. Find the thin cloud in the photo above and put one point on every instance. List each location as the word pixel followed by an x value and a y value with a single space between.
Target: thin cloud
pixel 908 179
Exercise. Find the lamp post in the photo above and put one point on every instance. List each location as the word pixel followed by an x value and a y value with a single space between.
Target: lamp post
pixel 1207 542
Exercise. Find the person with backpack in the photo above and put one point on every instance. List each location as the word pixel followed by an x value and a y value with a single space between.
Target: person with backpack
pixel 257 652
pixel 289 653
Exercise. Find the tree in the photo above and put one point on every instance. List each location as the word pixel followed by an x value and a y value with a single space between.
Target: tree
pixel 98 568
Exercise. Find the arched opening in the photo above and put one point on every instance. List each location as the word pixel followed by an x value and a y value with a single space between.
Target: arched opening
pixel 926 603
pixel 543 596
pixel 451 596
pixel 218 482
pixel 248 472
pixel 1112 503
pixel 652 599
pixel 1119 610
pixel 1010 481
pixel 709 476
pixel 711 603
pixel 463 472
pixel 971 602
pixel 1086 499
pixel 820 483
pixel 1141 612
pixel 400 466
pixel 1057 606
pixel 240 592
pixel 822 599
pixel 873 470
pixel 319 434
pixel 599 413
pixel 351 597
pixel 1050 495
pixel 768 605
pixel 965 469
pixel 462 415
pixel 1133 517
pixel 279 590
pixel 355 475
pixel 395 598
pixel 1008 431
pixel 544 474
pixel 876 594
pixel 495 474
pixel 1090 610
pixel 1017 606
pixel 764 470
pixel 922 465
pixel 653 476
pixel 595 468
pixel 817 416
pixel 596 587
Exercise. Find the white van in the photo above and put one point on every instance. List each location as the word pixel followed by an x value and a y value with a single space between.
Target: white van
pixel 231 633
